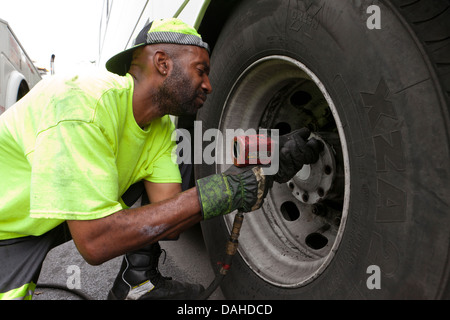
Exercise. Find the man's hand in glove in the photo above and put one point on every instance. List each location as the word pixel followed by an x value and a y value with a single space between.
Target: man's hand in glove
pixel 245 188
pixel 237 188
pixel 295 151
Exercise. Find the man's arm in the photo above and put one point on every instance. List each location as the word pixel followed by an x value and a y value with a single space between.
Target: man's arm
pixel 103 239
pixel 157 192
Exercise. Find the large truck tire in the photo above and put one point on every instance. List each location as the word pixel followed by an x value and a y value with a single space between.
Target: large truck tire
pixel 371 219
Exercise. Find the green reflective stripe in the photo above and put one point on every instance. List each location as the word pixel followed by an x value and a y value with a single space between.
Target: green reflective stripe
pixel 25 292
pixel 181 8
pixel 201 14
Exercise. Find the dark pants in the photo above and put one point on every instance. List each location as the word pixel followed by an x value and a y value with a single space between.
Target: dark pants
pixel 21 261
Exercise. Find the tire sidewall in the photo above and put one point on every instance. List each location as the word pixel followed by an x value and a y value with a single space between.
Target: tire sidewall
pixel 394 221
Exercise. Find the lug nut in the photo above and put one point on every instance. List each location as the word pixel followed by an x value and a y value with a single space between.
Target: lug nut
pixel 319 210
pixel 320 192
pixel 305 197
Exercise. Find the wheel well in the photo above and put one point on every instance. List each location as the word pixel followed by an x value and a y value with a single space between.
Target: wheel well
pixel 215 17
pixel 23 89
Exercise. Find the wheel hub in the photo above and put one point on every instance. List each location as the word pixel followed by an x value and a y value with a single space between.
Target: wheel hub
pixel 314 181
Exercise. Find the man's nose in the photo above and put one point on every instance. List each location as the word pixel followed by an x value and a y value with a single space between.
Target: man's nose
pixel 206 85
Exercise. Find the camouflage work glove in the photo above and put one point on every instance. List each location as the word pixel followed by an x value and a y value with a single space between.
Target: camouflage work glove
pixel 243 189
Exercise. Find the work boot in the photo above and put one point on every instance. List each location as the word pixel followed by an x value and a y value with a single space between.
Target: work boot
pixel 140 279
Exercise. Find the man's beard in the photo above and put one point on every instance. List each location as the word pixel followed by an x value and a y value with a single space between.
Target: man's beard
pixel 176 95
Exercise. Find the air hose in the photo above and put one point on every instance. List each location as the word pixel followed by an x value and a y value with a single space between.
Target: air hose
pixel 231 249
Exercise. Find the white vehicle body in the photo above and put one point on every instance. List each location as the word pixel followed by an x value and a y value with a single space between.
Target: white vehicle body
pixel 370 219
pixel 122 20
pixel 17 72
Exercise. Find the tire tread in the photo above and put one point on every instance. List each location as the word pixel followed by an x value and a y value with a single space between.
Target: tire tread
pixel 430 20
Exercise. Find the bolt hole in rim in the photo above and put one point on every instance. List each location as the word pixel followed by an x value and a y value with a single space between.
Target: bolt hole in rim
pixel 292 239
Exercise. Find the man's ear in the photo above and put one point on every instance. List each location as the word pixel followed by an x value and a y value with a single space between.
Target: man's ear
pixel 162 62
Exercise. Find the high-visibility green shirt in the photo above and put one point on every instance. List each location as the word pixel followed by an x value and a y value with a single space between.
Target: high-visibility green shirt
pixel 71 147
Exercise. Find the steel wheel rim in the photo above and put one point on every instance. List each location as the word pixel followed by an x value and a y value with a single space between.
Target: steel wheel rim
pixel 281 246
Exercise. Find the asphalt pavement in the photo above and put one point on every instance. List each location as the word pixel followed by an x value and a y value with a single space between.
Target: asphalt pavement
pixel 186 260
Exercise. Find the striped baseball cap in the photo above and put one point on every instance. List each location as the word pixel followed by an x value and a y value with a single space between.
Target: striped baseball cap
pixel 171 30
